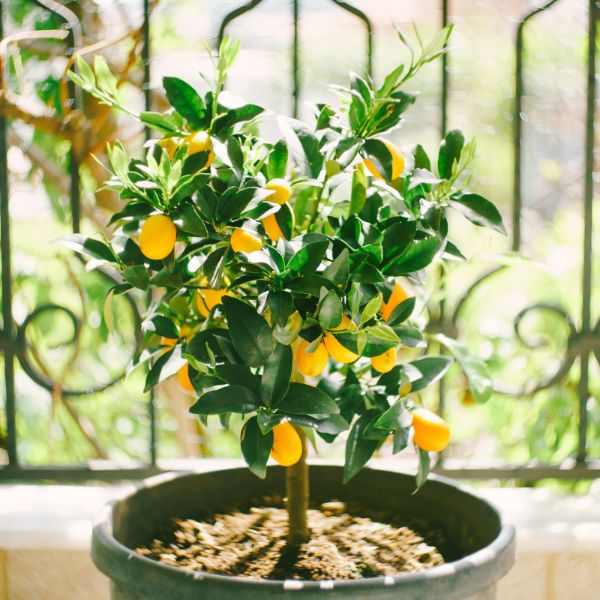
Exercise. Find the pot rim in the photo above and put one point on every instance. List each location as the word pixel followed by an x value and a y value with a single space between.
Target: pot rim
pixel 500 550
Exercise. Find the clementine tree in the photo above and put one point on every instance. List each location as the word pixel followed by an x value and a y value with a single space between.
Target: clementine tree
pixel 285 273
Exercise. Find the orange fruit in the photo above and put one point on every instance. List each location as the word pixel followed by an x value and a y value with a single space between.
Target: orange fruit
pixel 170 144
pixel 335 348
pixel 207 299
pixel 164 341
pixel 287 445
pixel 157 237
pixel 272 228
pixel 398 295
pixel 384 362
pixel 281 189
pixel 200 141
pixel 244 241
pixel 311 364
pixel 397 161
pixel 183 378
pixel 431 432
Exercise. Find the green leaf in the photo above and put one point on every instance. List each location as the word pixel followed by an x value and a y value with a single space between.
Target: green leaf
pixel 185 100
pixel 282 305
pixel 338 271
pixel 421 159
pixel 278 159
pixel 164 366
pixel 303 146
pixel 331 311
pixel 85 245
pixel 394 418
pixel 250 333
pixel 160 325
pixel 164 122
pixel 191 221
pixel 358 197
pixel 230 398
pixel 371 309
pixel 432 368
pixel 105 79
pixel 239 375
pixel 450 150
pixel 302 399
pixel 383 331
pixel 402 311
pixel 417 256
pixel 256 447
pixel 478 210
pixel 236 115
pixel 474 368
pixel 396 239
pixel 137 276
pixel 276 375
pixel 359 449
pixel 423 471
pixel 400 440
pixel 309 257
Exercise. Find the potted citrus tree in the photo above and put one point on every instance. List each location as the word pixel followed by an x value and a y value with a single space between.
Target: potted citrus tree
pixel 284 278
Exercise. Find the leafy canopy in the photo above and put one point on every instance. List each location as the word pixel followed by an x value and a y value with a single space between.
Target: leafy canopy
pixel 346 237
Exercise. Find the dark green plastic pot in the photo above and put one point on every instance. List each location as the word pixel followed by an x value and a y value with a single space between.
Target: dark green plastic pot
pixel 484 545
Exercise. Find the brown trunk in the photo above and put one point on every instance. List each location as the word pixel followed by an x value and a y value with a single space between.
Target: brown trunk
pixel 296 481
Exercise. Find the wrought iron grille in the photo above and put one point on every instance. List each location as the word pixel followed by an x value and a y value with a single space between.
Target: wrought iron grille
pixel 583 339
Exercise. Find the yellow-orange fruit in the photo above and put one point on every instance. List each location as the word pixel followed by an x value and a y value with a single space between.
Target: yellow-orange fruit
pixel 397 161
pixel 311 364
pixel 200 142
pixel 165 341
pixel 398 295
pixel 170 144
pixel 384 362
pixel 157 237
pixel 207 299
pixel 244 241
pixel 431 432
pixel 183 377
pixel 287 445
pixel 281 189
pixel 272 228
pixel 335 348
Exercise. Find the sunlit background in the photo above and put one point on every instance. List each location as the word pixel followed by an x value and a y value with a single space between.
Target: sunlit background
pixel 55 428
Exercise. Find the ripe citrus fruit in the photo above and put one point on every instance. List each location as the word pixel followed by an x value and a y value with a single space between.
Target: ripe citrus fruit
pixel 170 144
pixel 165 341
pixel 287 445
pixel 272 228
pixel 244 241
pixel 397 161
pixel 200 142
pixel 311 364
pixel 183 377
pixel 432 433
pixel 157 237
pixel 333 346
pixel 281 191
pixel 207 299
pixel 384 362
pixel 398 295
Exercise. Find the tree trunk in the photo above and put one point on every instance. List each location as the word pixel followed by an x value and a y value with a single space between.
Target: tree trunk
pixel 296 481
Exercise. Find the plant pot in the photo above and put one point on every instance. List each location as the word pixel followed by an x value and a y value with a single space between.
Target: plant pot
pixel 472 524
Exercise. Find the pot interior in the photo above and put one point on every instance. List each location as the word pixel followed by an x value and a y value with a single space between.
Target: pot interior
pixel 468 522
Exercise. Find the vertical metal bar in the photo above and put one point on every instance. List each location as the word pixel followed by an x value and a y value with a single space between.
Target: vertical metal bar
pixel 146 63
pixel 517 135
pixel 443 129
pixel 295 59
pixel 445 76
pixel 7 317
pixel 588 216
pixel 147 133
pixel 368 27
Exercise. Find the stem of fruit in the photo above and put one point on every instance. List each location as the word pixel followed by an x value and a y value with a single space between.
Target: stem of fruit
pixel 296 481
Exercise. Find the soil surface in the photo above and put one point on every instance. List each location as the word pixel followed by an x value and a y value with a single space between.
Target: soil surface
pixel 252 543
